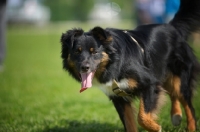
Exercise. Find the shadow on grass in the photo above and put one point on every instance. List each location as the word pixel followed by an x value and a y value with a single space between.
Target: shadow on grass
pixel 82 126
pixel 94 126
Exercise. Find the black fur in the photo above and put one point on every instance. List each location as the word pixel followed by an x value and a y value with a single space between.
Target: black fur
pixel 165 51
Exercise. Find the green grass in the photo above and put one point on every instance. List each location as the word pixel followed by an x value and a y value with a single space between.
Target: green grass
pixel 36 94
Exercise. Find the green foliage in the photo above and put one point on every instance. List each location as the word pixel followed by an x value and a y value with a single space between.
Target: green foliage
pixel 69 9
pixel 36 94
pixel 80 9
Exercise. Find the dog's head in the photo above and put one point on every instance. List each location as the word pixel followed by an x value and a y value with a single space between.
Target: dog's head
pixel 84 53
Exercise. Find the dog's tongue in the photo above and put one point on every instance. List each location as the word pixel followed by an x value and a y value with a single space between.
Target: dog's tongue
pixel 86 80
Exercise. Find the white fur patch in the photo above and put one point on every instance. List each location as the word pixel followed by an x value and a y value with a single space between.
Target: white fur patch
pixel 160 129
pixel 107 87
pixel 123 84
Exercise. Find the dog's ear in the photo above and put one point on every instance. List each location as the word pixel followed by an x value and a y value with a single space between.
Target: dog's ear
pixel 102 35
pixel 68 37
pixel 67 40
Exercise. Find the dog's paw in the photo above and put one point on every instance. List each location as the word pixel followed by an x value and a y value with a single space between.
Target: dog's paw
pixel 176 119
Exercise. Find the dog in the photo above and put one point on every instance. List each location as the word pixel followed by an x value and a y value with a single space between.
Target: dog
pixel 146 63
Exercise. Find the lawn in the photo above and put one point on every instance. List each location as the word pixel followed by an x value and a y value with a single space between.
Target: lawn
pixel 37 95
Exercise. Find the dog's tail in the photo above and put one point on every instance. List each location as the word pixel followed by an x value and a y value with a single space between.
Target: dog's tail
pixel 187 19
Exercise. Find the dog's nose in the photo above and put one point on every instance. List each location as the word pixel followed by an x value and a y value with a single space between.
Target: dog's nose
pixel 85 68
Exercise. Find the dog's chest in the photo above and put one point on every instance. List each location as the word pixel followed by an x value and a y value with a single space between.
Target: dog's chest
pixel 107 88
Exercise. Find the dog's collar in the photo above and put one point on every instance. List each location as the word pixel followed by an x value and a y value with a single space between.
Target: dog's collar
pixel 117 90
pixel 134 41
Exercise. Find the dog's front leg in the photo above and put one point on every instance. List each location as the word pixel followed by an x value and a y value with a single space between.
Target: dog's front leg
pixel 126 113
pixel 150 101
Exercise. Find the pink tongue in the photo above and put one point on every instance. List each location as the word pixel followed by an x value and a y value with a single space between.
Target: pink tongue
pixel 86 80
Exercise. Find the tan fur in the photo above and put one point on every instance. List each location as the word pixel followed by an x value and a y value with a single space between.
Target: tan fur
pixel 177 85
pixel 80 49
pixel 132 83
pixel 190 120
pixel 102 65
pixel 175 108
pixel 91 50
pixel 129 118
pixel 173 86
pixel 147 120
pixel 108 40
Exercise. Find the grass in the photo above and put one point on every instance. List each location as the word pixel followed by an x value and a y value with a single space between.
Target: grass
pixel 36 95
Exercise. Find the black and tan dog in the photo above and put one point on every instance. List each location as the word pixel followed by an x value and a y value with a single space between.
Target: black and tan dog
pixel 141 63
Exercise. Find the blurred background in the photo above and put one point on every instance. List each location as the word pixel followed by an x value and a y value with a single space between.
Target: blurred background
pixel 36 94
pixel 42 12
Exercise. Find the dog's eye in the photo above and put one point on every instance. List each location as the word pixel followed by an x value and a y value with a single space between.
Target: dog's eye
pixel 78 51
pixel 93 51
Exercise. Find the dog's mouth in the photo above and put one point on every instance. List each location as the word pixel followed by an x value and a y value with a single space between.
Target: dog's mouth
pixel 86 80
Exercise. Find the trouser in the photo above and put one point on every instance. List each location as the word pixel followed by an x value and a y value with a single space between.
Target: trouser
pixel 2 30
